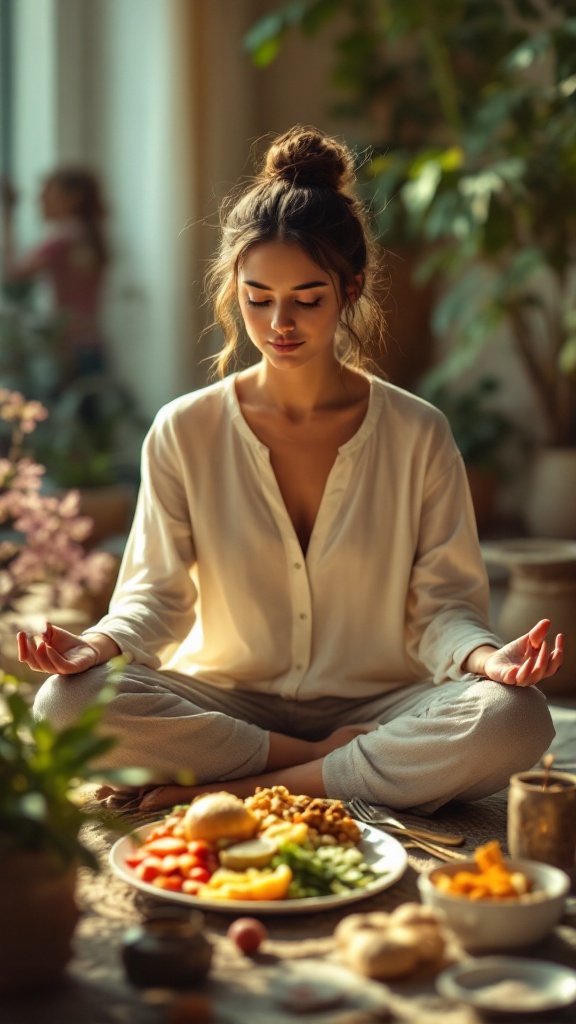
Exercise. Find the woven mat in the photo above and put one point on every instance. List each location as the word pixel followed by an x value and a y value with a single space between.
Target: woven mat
pixel 241 990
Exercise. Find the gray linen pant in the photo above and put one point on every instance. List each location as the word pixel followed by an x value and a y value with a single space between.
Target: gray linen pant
pixel 459 740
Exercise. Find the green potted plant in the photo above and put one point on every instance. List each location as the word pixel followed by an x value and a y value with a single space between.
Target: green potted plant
pixel 491 444
pixel 41 849
pixel 473 106
pixel 91 441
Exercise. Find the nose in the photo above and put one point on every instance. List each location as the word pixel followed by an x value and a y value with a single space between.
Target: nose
pixel 281 320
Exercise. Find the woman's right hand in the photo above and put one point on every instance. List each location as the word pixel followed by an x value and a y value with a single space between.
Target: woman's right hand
pixel 57 650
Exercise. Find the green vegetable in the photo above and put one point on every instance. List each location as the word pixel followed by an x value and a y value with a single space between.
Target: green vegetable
pixel 323 871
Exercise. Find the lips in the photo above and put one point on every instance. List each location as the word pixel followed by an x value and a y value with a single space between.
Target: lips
pixel 285 344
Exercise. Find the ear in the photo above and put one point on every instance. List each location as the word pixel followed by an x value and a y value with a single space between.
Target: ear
pixel 355 289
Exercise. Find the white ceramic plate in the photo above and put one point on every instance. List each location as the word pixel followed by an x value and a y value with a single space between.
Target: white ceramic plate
pixel 509 984
pixel 384 854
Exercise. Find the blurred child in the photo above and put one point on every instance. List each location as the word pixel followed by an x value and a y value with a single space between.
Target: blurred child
pixel 73 258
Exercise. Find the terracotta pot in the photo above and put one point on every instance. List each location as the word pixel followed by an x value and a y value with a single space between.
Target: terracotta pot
pixel 111 507
pixel 550 509
pixel 483 486
pixel 39 915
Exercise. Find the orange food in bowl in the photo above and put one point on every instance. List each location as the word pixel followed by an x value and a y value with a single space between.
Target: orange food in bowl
pixel 493 879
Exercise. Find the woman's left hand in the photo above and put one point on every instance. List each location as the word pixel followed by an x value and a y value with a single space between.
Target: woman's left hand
pixel 528 659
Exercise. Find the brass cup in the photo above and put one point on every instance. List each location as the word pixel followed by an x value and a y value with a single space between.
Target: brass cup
pixel 542 819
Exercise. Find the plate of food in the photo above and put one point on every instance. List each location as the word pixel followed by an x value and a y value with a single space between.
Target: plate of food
pixel 272 853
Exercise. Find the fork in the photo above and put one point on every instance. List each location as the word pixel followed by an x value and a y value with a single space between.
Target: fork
pixel 374 816
pixel 445 853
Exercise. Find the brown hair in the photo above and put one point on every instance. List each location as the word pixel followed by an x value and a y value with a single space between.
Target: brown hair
pixel 304 195
pixel 83 186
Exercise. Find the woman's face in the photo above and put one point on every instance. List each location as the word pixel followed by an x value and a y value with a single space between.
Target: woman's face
pixel 56 202
pixel 290 306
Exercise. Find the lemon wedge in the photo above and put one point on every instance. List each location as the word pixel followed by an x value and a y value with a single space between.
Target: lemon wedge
pixel 254 853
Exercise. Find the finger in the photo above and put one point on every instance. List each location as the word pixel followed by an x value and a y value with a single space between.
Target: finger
pixel 43 657
pixel 61 664
pixel 540 666
pixel 39 656
pixel 524 676
pixel 509 675
pixel 22 641
pixel 557 657
pixel 538 632
pixel 30 654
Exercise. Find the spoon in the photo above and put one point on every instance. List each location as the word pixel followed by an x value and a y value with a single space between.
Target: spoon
pixel 547 762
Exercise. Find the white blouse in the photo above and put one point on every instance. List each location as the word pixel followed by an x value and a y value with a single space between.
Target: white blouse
pixel 214 584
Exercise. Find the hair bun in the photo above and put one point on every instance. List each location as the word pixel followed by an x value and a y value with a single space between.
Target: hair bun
pixel 305 156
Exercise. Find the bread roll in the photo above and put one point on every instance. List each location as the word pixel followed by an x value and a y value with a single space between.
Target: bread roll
pixel 346 928
pixel 391 953
pixel 219 816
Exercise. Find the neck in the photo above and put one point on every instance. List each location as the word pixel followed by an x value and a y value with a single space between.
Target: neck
pixel 301 391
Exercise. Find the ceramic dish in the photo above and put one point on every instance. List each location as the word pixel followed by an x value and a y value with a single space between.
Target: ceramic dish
pixel 488 925
pixel 509 984
pixel 384 854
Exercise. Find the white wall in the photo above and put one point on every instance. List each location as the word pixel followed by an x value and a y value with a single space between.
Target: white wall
pixel 102 81
pixel 34 143
pixel 136 129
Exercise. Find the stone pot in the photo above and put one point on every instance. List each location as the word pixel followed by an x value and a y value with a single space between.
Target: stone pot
pixel 39 915
pixel 550 508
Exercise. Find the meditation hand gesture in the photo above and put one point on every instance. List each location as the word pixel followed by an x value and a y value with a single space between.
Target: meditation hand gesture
pixel 57 650
pixel 526 660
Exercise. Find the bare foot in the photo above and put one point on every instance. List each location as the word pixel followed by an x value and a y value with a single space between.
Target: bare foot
pixel 345 734
pixel 167 796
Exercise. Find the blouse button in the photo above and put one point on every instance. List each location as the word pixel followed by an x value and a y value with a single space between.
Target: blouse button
pixel 299 668
pixel 297 565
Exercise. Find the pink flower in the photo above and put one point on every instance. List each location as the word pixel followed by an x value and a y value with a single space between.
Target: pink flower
pixel 48 530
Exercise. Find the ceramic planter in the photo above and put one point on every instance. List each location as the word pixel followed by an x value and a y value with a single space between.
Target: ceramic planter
pixel 550 509
pixel 39 915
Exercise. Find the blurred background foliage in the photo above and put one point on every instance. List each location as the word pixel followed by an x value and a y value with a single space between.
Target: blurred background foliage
pixel 472 104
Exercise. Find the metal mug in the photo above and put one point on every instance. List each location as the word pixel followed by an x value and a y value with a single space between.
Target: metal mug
pixel 542 818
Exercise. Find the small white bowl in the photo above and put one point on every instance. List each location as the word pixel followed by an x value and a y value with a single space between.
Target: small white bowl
pixel 483 925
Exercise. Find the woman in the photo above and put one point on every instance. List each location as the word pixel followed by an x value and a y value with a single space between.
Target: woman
pixel 302 599
pixel 73 259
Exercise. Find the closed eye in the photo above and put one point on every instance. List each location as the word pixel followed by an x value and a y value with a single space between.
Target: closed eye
pixel 266 302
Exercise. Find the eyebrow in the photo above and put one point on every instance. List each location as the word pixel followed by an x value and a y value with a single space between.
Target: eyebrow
pixel 296 288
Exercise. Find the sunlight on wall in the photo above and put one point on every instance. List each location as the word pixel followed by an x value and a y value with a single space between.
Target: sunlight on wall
pixel 34 143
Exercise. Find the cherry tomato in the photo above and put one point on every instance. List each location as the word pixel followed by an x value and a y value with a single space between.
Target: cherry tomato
pixel 173 883
pixel 247 933
pixel 170 865
pixel 159 832
pixel 191 887
pixel 199 848
pixel 149 869
pixel 199 874
pixel 165 846
pixel 136 858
